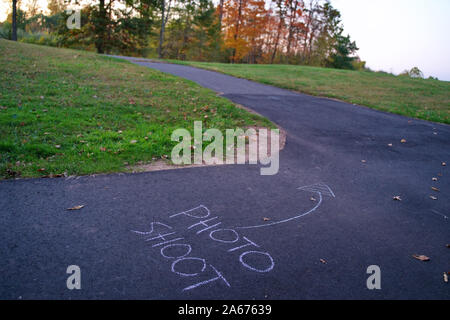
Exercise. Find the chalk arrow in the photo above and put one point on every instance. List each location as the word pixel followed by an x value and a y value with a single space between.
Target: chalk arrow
pixel 319 188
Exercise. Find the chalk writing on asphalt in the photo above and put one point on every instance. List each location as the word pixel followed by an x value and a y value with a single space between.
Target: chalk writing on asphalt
pixel 184 257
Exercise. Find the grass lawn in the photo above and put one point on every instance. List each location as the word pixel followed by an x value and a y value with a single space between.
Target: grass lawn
pixel 417 98
pixel 66 112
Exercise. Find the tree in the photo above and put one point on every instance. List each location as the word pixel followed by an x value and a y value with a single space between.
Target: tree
pixel 220 7
pixel 245 23
pixel 205 42
pixel 342 58
pixel 232 23
pixel 415 73
pixel 281 12
pixel 14 21
pixel 255 24
pixel 56 6
pixel 165 11
pixel 294 15
pixel 331 48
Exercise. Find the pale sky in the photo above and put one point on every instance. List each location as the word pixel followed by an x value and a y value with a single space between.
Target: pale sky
pixel 393 35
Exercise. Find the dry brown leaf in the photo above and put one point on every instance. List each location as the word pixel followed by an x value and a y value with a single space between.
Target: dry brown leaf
pixel 266 219
pixel 435 189
pixel 421 257
pixel 76 207
pixel 403 141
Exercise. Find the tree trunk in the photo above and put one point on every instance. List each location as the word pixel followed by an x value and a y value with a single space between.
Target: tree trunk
pixel 101 27
pixel 163 26
pixel 281 17
pixel 220 13
pixel 291 27
pixel 14 21
pixel 276 42
pixel 236 32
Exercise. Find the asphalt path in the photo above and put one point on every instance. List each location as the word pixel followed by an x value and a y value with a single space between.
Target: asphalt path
pixel 325 218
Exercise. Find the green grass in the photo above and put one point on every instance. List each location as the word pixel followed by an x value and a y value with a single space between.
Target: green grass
pixel 417 98
pixel 72 112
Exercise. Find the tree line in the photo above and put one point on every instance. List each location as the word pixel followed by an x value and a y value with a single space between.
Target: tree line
pixel 307 32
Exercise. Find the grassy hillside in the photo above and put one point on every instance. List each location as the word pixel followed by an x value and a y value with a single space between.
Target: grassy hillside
pixel 74 112
pixel 418 98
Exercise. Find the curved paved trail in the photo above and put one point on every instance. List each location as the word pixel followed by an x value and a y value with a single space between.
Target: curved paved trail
pixel 174 234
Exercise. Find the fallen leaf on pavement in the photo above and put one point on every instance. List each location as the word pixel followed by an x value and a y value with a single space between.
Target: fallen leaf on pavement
pixel 313 199
pixel 435 189
pixel 403 141
pixel 421 257
pixel 323 261
pixel 266 219
pixel 397 198
pixel 76 207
